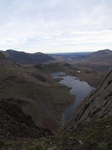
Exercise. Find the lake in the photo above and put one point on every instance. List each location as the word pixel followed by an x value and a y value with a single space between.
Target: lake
pixel 78 88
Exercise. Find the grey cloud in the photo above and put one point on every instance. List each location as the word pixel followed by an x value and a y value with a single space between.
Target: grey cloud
pixel 31 21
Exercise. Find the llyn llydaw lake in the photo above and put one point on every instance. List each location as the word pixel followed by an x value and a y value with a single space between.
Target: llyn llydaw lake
pixel 78 88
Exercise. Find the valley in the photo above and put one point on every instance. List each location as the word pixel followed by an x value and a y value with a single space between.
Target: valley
pixel 28 89
pixel 38 92
pixel 80 89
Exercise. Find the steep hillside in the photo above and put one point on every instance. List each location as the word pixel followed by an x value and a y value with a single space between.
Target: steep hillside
pixel 14 123
pixel 97 106
pixel 42 97
pixel 26 58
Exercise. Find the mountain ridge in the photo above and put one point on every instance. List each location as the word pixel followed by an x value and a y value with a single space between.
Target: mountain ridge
pixel 27 58
pixel 101 56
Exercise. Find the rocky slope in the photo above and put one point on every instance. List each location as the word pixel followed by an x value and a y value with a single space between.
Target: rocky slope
pixel 96 106
pixel 14 123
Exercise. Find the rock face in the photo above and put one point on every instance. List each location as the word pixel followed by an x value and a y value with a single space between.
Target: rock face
pixel 14 123
pixel 97 105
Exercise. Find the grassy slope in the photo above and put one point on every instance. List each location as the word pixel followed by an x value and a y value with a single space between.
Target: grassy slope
pixel 45 100
pixel 93 136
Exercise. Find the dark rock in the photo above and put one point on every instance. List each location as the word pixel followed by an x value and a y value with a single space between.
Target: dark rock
pixel 14 123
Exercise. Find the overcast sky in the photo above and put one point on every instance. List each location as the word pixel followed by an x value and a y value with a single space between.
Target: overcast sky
pixel 55 25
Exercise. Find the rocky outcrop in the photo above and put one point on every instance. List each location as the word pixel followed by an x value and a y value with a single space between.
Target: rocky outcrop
pixel 96 106
pixel 14 123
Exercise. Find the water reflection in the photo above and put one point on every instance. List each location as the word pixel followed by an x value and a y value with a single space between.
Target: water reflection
pixel 78 88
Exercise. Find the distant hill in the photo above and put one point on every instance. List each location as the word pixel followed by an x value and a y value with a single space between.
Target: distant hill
pixel 72 56
pixel 27 58
pixel 99 62
pixel 102 56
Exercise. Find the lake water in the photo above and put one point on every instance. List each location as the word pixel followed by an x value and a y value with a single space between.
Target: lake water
pixel 78 88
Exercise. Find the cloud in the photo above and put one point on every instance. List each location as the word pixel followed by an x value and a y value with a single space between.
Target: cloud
pixel 48 25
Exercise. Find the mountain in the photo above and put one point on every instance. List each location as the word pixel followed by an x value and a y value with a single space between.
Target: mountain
pixel 93 66
pixel 27 58
pixel 41 96
pixel 102 56
pixel 99 57
pixel 70 56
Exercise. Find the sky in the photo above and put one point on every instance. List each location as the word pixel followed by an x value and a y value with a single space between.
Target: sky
pixel 53 26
